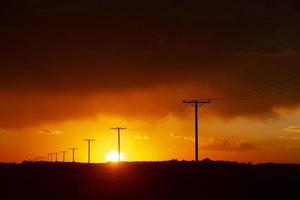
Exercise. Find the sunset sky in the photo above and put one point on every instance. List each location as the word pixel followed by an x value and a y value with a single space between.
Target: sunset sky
pixel 71 70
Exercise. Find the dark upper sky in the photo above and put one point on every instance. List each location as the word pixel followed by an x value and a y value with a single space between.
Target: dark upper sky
pixel 79 48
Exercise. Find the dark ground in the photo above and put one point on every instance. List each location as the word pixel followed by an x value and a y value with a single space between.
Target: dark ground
pixel 150 180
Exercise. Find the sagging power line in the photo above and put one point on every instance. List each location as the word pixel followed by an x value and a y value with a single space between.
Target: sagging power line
pixel 290 84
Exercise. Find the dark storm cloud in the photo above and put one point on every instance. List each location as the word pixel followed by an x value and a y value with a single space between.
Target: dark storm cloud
pixel 69 50
pixel 274 54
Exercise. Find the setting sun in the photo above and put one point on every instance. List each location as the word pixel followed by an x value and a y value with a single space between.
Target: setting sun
pixel 113 156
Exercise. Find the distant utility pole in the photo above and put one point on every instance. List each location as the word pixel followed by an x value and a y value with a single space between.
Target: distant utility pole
pixel 89 148
pixel 64 155
pixel 119 140
pixel 56 156
pixel 49 154
pixel 51 157
pixel 73 153
pixel 196 104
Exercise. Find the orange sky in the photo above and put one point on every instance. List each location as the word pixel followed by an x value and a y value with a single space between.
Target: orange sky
pixel 239 139
pixel 69 71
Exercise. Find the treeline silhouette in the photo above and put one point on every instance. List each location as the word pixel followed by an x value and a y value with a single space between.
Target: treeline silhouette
pixel 149 180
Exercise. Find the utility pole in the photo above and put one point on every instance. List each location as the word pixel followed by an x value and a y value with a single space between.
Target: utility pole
pixel 49 154
pixel 73 154
pixel 196 104
pixel 89 148
pixel 51 157
pixel 64 156
pixel 119 140
pixel 56 156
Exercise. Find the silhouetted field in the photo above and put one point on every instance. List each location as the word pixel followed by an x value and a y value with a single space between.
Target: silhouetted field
pixel 149 180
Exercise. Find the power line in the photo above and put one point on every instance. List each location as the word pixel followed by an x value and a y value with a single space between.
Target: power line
pixel 161 119
pixel 270 89
pixel 172 122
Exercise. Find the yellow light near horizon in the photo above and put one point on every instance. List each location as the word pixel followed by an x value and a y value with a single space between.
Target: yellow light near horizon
pixel 113 156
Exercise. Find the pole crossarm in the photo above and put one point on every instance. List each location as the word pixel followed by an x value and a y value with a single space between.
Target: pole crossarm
pixel 198 101
pixel 119 128
pixel 89 139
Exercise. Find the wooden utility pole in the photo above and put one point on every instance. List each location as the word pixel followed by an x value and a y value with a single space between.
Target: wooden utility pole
pixel 119 140
pixel 89 148
pixel 64 155
pixel 196 104
pixel 73 154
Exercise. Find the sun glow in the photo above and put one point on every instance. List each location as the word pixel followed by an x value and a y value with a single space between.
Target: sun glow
pixel 113 156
